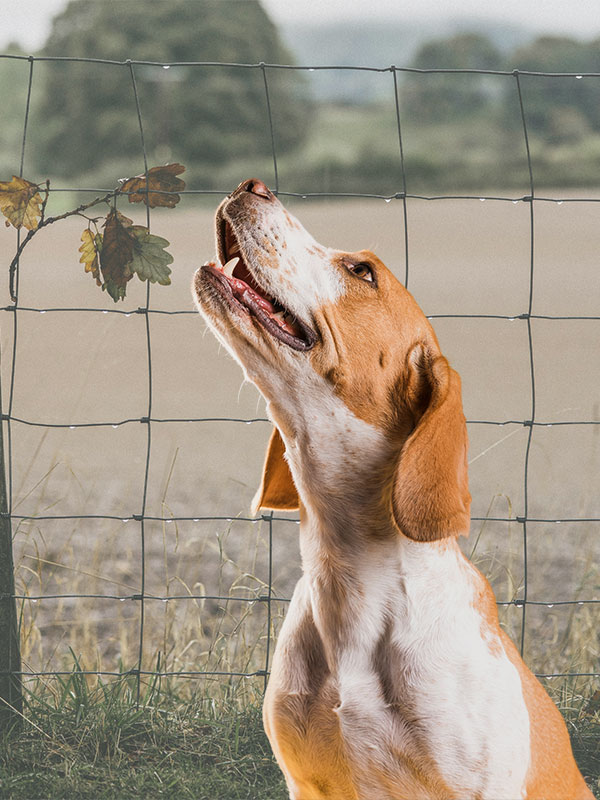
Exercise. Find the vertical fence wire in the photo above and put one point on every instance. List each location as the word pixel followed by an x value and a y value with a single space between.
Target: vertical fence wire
pixel 147 419
pixel 402 172
pixel 269 520
pixel 530 423
pixel 13 660
pixel 263 67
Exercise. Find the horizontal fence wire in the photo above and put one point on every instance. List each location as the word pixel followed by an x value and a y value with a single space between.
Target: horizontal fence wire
pixel 362 195
pixel 261 65
pixel 15 312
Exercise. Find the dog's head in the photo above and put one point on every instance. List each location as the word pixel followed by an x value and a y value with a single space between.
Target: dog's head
pixel 347 361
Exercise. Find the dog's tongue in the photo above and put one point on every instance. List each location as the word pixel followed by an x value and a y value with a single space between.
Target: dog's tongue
pixel 241 289
pixel 246 293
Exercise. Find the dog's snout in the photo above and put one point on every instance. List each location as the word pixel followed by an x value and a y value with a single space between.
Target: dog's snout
pixel 257 187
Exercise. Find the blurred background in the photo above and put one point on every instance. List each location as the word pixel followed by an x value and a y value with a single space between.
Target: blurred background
pixel 335 130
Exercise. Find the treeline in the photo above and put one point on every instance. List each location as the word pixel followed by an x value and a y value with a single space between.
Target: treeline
pixel 561 109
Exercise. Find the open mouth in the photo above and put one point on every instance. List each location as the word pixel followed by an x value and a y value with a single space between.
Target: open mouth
pixel 236 283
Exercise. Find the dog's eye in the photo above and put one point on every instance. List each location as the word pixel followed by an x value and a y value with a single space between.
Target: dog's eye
pixel 362 271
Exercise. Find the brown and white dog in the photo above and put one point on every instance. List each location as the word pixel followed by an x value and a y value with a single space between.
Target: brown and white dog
pixel 392 678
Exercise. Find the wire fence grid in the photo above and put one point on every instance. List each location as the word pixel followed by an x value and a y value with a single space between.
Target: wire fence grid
pixel 16 315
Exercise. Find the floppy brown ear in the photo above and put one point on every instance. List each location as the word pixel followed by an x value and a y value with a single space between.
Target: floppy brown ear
pixel 431 497
pixel 277 490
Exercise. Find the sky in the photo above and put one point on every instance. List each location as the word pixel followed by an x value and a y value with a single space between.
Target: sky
pixel 575 16
pixel 28 21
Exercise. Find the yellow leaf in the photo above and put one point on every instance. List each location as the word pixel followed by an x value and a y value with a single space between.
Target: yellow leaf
pixel 20 202
pixel 90 249
pixel 162 185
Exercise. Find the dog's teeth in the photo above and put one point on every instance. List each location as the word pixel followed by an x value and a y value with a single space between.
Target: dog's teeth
pixel 230 266
pixel 280 315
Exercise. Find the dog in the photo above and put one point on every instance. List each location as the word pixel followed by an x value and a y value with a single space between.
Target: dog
pixel 392 679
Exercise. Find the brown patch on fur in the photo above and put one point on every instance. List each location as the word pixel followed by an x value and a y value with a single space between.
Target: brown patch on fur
pixel 287 283
pixel 277 489
pixel 320 785
pixel 302 726
pixel 293 223
pixel 366 321
pixel 411 393
pixel 331 375
pixel 485 605
pixel 431 494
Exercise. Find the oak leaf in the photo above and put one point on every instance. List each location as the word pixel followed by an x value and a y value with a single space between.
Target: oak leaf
pixel 20 202
pixel 116 254
pixel 150 258
pixel 161 187
pixel 90 251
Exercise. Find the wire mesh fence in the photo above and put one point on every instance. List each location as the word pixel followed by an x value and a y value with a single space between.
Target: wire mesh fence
pixel 260 597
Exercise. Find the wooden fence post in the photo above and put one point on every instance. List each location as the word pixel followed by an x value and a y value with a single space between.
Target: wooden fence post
pixel 11 699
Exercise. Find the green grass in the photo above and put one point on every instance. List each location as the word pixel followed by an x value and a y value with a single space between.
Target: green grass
pixel 580 706
pixel 77 741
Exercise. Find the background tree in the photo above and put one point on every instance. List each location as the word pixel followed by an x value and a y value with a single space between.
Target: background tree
pixel 560 109
pixel 196 115
pixel 13 91
pixel 435 97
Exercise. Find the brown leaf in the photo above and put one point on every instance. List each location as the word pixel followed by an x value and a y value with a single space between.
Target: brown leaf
pixel 160 181
pixel 20 202
pixel 116 254
pixel 90 251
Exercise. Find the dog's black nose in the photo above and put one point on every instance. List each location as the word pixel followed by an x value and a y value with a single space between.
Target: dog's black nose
pixel 257 187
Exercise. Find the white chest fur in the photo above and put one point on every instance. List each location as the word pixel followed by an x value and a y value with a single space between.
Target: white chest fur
pixel 428 699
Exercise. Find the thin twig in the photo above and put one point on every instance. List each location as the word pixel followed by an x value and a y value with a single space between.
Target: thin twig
pixel 49 221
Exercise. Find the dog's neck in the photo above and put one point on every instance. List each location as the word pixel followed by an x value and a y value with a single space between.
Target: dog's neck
pixel 343 470
pixel 342 467
pixel 358 577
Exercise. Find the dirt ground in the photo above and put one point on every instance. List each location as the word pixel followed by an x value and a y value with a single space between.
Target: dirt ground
pixel 73 367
